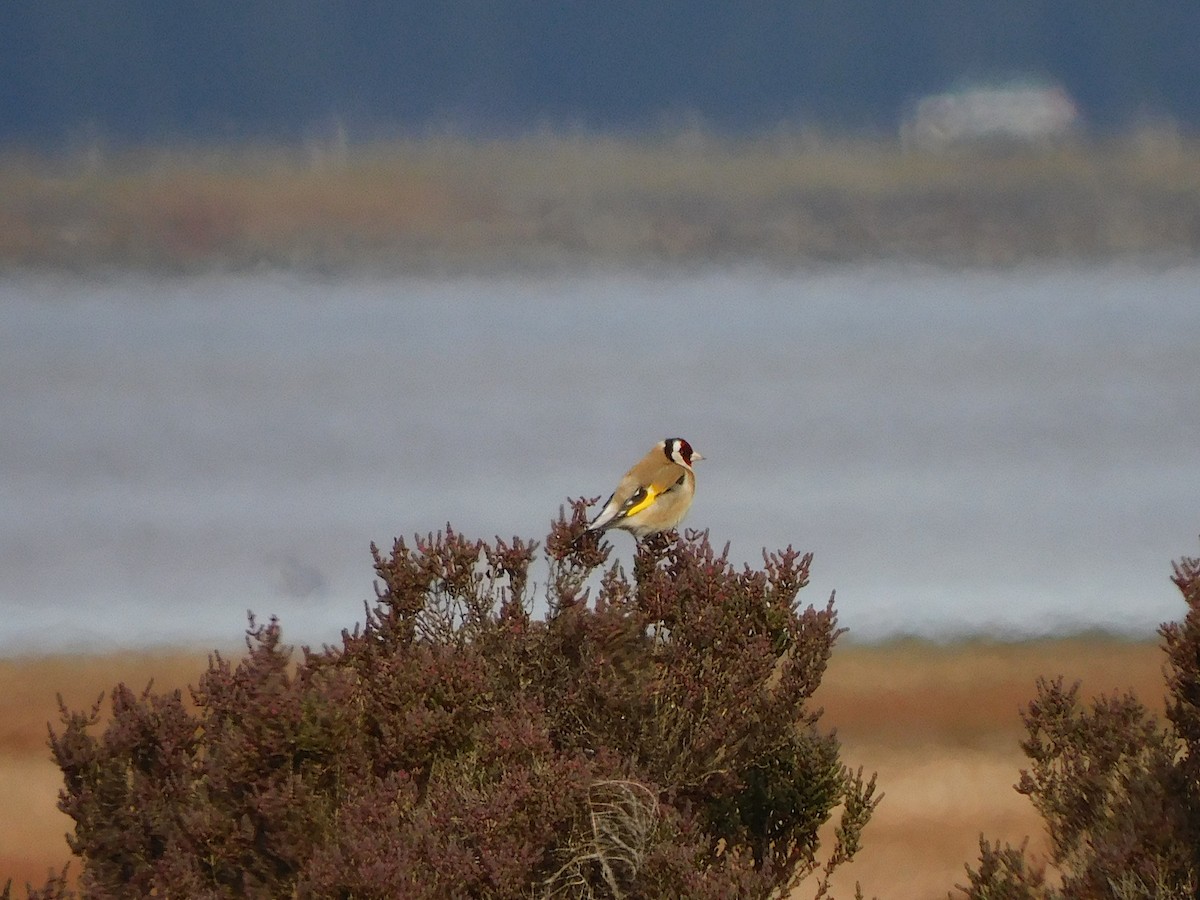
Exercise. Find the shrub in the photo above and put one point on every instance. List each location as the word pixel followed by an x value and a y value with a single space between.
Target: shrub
pixel 655 740
pixel 1119 790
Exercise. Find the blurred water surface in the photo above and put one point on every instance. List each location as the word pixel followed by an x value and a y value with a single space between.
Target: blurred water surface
pixel 1010 452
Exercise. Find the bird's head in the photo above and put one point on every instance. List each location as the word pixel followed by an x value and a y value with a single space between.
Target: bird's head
pixel 680 451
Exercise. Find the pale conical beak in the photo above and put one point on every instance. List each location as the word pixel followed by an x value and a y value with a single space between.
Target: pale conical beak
pixel 696 456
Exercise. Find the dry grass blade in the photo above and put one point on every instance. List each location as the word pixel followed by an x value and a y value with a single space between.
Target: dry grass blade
pixel 622 816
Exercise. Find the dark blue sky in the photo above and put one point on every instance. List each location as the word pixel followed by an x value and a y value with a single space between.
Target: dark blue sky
pixel 153 70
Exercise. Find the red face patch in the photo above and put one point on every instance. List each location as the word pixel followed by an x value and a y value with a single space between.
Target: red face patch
pixel 679 450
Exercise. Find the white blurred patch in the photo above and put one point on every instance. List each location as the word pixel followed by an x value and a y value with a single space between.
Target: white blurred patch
pixel 1010 114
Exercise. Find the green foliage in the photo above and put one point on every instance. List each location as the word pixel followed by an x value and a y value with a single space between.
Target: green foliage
pixel 654 740
pixel 1118 789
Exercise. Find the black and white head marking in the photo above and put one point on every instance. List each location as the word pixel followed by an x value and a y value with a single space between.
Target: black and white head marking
pixel 678 451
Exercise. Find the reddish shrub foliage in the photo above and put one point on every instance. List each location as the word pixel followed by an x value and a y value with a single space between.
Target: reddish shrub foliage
pixel 1119 789
pixel 650 736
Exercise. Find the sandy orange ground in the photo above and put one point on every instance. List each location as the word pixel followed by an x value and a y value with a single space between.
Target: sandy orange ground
pixel 939 724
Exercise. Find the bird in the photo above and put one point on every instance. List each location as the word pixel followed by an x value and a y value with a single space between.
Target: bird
pixel 655 494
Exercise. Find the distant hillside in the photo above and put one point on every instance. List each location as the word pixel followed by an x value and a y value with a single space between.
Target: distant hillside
pixel 132 70
pixel 562 199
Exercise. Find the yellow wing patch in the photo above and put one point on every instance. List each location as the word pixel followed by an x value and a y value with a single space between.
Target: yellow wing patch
pixel 651 493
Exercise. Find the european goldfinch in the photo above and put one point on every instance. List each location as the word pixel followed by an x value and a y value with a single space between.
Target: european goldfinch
pixel 655 494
